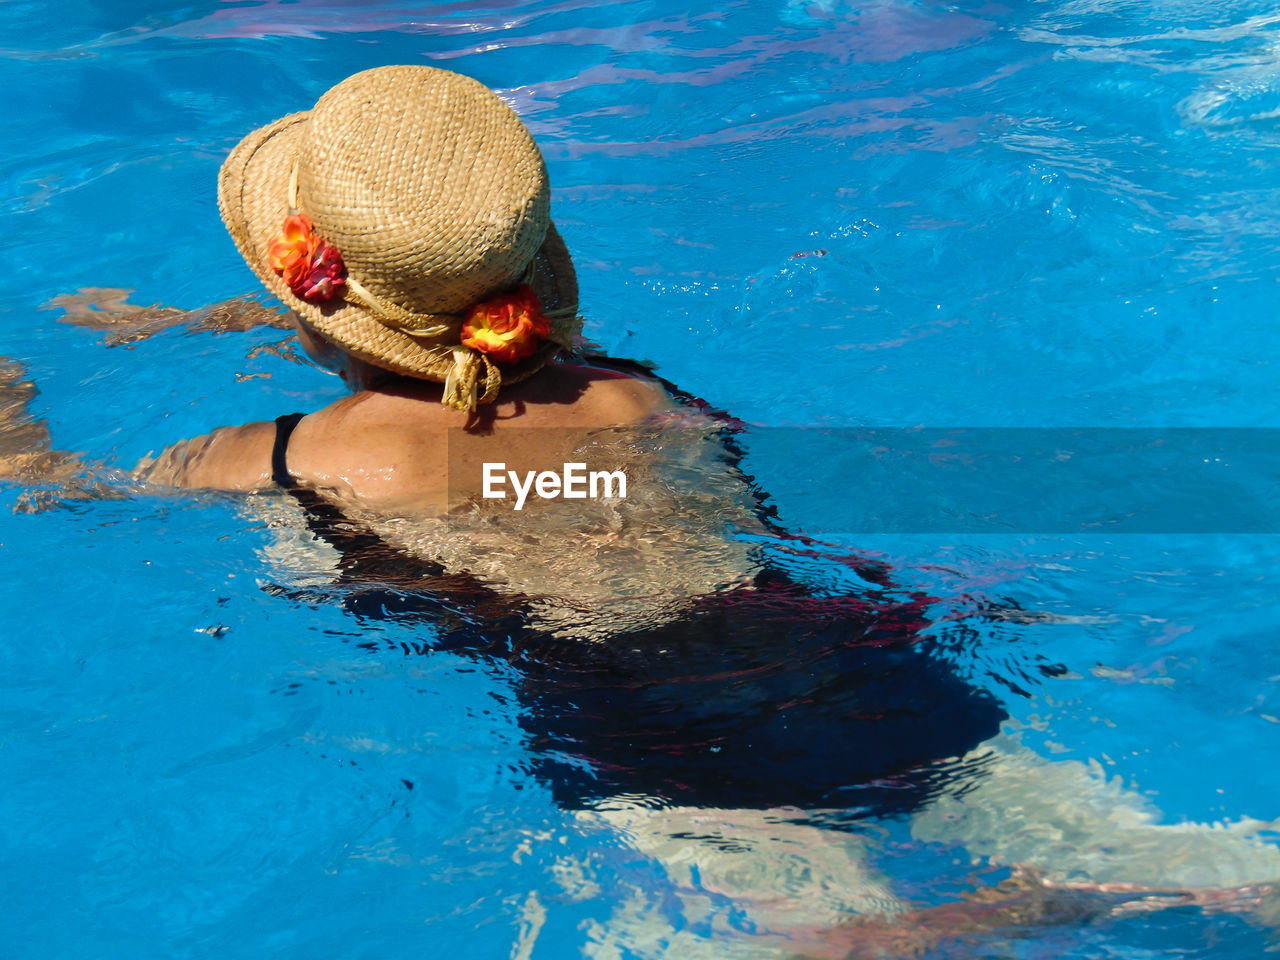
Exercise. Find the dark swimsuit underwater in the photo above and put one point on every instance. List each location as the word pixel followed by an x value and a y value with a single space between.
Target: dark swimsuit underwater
pixel 760 696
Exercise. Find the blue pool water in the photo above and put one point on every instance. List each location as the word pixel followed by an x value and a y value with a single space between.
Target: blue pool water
pixel 819 216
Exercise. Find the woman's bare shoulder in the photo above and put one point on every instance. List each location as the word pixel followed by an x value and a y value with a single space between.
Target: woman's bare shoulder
pixel 395 443
pixel 583 394
pixel 378 441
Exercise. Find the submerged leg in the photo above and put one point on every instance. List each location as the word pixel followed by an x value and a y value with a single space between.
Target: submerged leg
pixel 758 885
pixel 737 884
pixel 786 873
pixel 1076 828
pixel 1082 849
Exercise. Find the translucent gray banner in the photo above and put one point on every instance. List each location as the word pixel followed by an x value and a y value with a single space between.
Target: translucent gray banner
pixel 1016 480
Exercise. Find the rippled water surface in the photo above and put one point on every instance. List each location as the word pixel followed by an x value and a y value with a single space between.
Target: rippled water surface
pixel 823 217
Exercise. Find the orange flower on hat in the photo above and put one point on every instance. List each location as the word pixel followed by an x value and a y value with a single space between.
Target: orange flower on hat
pixel 290 252
pixel 507 327
pixel 312 268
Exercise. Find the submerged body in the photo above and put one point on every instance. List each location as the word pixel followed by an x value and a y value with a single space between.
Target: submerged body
pixel 661 654
pixel 679 687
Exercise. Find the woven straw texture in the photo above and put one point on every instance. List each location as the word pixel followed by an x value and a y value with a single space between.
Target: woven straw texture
pixel 435 194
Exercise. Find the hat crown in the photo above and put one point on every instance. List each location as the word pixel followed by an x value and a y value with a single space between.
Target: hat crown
pixel 427 183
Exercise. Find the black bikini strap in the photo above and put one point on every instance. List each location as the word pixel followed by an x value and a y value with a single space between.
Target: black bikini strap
pixel 280 474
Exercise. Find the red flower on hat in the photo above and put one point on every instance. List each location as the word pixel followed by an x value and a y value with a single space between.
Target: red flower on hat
pixel 312 268
pixel 507 327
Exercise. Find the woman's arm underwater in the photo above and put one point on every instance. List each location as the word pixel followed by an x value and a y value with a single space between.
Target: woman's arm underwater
pixel 234 458
pixel 229 458
pixel 123 323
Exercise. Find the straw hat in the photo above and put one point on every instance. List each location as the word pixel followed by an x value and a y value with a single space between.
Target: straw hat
pixel 436 198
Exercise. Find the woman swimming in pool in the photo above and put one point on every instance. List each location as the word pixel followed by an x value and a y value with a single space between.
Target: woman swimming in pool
pixel 664 662
pixel 404 221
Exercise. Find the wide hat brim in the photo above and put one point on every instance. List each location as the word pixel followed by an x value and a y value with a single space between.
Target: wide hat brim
pixel 253 198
